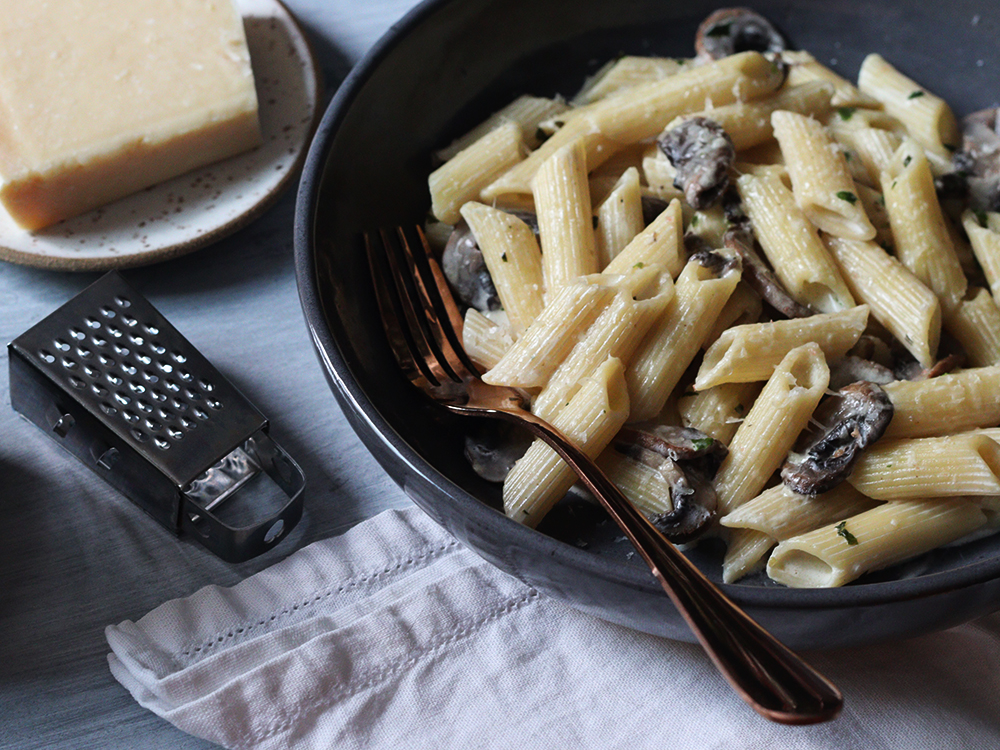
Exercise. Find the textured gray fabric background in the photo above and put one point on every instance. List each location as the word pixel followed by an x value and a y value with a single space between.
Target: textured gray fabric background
pixel 76 556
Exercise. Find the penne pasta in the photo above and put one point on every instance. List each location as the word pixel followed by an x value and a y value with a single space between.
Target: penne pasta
pixel 950 403
pixel 922 241
pixel 565 223
pixel 964 464
pixel 821 180
pixel 897 298
pixel 513 258
pixel 674 340
pixel 591 419
pixel 927 117
pixel 779 414
pixel 792 244
pixel 751 352
pixel 460 179
pixel 619 218
pixel 890 533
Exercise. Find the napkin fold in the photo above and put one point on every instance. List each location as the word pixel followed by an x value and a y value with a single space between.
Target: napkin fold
pixel 395 635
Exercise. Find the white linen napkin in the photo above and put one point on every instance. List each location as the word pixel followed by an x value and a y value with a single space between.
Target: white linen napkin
pixel 394 635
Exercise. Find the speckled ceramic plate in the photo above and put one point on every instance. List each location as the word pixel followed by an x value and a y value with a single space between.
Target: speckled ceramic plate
pixel 190 211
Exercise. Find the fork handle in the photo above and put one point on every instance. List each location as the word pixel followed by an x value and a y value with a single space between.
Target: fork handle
pixel 767 675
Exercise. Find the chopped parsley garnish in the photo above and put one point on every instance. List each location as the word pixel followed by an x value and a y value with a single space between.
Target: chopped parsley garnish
pixel 694 221
pixel 504 257
pixel 720 29
pixel 881 200
pixel 981 218
pixel 640 264
pixel 844 195
pixel 907 160
pixel 702 444
pixel 846 113
pixel 915 94
pixel 848 536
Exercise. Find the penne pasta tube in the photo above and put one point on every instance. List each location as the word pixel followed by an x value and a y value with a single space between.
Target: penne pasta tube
pixel 675 338
pixel 565 223
pixel 964 464
pixel 646 110
pixel 460 179
pixel 874 204
pixel 821 180
pixel 743 307
pixel 645 487
pixel 485 340
pixel 749 123
pixel 985 243
pixel 718 411
pixel 591 420
pixel 662 242
pixel 525 111
pixel 803 68
pixel 779 414
pixel 781 514
pixel 751 352
pixel 513 258
pixel 626 73
pixel 922 240
pixel 549 339
pixel 870 148
pixel 641 299
pixel 745 553
pixel 792 244
pixel 618 218
pixel 885 535
pixel 927 117
pixel 975 323
pixel 950 403
pixel 659 175
pixel 897 299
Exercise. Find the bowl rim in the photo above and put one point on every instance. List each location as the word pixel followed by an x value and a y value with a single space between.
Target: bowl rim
pixel 363 414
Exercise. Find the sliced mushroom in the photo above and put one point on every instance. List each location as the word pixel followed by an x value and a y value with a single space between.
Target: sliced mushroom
pixel 494 447
pixel 702 153
pixel 675 443
pixel 731 30
pixel 464 267
pixel 979 159
pixel 862 416
pixel 466 271
pixel 913 370
pixel 687 459
pixel 760 278
pixel 851 369
pixel 715 261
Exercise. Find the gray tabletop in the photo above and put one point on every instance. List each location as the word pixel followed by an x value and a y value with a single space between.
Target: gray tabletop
pixel 76 556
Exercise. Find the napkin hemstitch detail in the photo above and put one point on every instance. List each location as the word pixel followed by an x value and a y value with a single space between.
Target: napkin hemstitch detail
pixel 509 606
pixel 354 581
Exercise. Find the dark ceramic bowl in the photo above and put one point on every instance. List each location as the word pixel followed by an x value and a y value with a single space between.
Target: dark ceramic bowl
pixel 445 67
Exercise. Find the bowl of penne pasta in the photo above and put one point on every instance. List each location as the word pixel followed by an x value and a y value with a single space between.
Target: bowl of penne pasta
pixel 747 260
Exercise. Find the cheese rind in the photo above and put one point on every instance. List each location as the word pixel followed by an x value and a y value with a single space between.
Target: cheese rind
pixel 101 98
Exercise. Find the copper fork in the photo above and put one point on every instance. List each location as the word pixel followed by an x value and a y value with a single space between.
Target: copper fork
pixel 424 326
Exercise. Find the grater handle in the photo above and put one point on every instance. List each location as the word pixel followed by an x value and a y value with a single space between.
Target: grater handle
pixel 238 544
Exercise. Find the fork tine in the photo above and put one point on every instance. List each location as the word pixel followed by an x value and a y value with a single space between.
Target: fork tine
pixel 420 318
pixel 439 305
pixel 396 316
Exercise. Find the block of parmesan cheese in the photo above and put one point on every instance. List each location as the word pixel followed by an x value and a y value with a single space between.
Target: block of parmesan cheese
pixel 101 98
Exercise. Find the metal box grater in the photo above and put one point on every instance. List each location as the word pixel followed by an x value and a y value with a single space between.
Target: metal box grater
pixel 118 387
